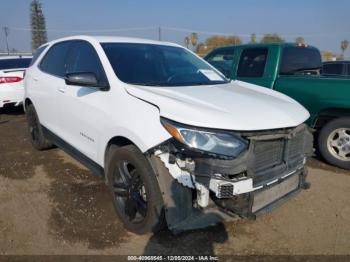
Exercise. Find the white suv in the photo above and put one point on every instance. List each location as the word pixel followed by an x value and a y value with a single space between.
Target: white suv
pixel 176 142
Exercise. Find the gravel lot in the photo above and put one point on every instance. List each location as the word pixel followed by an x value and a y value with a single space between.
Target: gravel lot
pixel 50 204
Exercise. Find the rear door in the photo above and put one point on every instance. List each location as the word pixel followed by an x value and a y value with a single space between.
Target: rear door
pixel 45 81
pixel 82 108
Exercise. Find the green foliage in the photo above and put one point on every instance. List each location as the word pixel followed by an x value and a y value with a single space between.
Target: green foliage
pixel 191 39
pixel 343 46
pixel 217 41
pixel 327 56
pixel 272 38
pixel 187 41
pixel 252 38
pixel 300 40
pixel 194 39
pixel 39 35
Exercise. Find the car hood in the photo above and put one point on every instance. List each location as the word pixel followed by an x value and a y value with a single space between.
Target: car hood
pixel 233 106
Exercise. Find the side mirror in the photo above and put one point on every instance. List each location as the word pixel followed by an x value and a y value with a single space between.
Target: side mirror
pixel 87 79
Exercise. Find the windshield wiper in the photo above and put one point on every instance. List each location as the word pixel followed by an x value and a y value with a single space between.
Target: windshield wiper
pixel 199 83
pixel 147 84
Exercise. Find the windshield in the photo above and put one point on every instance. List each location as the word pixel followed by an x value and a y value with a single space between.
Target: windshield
pixel 222 59
pixel 299 60
pixel 158 65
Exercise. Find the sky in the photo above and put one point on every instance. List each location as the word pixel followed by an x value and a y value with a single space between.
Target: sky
pixel 323 23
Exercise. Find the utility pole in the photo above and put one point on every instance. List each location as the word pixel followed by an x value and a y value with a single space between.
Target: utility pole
pixel 7 31
pixel 159 33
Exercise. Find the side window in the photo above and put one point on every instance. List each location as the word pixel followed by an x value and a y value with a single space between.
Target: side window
pixel 348 69
pixel 222 59
pixel 332 69
pixel 54 61
pixel 37 53
pixel 252 62
pixel 84 58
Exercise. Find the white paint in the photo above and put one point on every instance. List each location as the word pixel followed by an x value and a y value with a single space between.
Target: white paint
pixel 14 92
pixel 182 176
pixel 234 106
pixel 202 195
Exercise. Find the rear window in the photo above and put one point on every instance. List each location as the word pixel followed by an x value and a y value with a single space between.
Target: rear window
pixel 252 62
pixel 14 63
pixel 222 59
pixel 333 69
pixel 299 60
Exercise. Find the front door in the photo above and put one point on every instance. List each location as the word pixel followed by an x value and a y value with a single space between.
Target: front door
pixel 82 114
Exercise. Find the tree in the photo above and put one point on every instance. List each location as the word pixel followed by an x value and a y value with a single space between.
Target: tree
pixel 187 41
pixel 343 46
pixel 217 41
pixel 38 26
pixel 327 56
pixel 300 40
pixel 272 38
pixel 194 39
pixel 252 38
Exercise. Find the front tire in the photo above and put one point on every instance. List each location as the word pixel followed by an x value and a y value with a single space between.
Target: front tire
pixel 136 195
pixel 334 142
pixel 38 139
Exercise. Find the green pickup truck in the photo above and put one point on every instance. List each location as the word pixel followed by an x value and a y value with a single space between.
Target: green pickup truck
pixel 294 69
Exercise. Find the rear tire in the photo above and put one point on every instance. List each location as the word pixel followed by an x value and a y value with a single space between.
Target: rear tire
pixel 334 142
pixel 38 139
pixel 136 195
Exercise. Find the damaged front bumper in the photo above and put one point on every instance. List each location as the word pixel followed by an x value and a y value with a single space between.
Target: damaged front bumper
pixel 200 189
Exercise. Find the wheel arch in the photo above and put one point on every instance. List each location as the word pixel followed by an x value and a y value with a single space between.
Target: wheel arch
pixel 27 102
pixel 326 115
pixel 118 141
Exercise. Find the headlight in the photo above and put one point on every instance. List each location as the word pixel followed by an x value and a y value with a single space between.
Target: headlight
pixel 218 143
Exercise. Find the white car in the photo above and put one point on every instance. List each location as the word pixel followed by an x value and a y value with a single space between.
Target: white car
pixel 176 142
pixel 11 79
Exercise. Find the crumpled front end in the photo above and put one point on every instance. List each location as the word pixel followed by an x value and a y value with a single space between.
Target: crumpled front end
pixel 206 188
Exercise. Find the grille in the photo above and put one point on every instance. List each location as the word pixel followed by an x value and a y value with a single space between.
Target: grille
pixel 225 190
pixel 296 146
pixel 265 197
pixel 271 157
pixel 268 153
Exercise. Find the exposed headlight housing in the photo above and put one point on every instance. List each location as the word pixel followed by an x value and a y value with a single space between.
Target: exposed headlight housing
pixel 220 143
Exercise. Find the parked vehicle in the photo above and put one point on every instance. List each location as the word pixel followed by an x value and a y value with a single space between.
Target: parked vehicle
pixel 11 79
pixel 295 71
pixel 336 68
pixel 176 142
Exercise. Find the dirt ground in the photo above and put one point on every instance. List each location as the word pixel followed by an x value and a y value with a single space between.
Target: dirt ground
pixel 50 204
